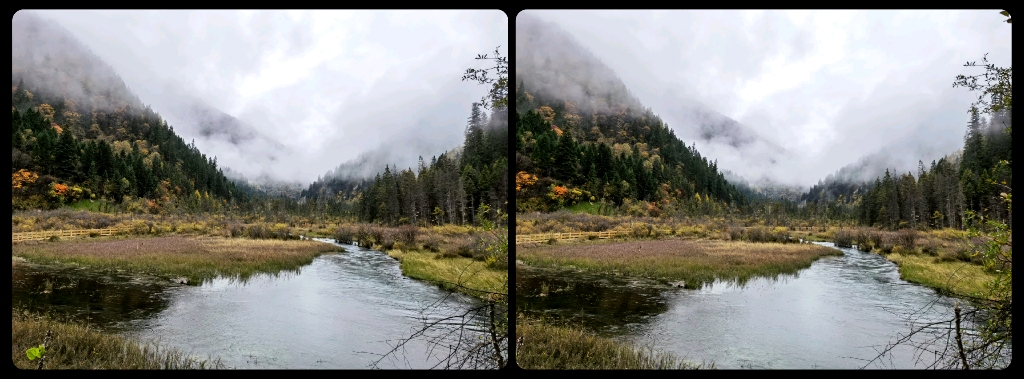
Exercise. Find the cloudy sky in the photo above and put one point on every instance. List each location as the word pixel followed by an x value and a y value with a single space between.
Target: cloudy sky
pixel 325 85
pixel 828 86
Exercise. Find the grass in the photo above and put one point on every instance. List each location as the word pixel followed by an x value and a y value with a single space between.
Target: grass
pixel 938 259
pixel 694 261
pixel 76 346
pixel 958 278
pixel 590 208
pixel 456 273
pixel 88 205
pixel 545 346
pixel 196 258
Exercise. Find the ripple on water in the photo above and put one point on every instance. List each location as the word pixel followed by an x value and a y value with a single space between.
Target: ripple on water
pixel 337 312
pixel 834 314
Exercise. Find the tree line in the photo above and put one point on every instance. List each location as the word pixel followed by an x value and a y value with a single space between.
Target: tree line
pixel 113 153
pixel 943 194
pixel 455 187
pixel 565 155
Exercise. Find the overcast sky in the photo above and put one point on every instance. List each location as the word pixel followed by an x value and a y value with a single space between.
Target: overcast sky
pixel 327 85
pixel 828 86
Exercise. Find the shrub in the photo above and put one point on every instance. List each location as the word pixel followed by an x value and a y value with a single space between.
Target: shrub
pixel 387 239
pixel 642 230
pixel 364 235
pixel 876 238
pixel 465 250
pixel 407 234
pixel 258 231
pixel 948 257
pixel 758 234
pixel 735 233
pixel 843 238
pixel 905 238
pixel 345 234
pixel 862 239
pixel 888 243
pixel 432 243
pixel 930 249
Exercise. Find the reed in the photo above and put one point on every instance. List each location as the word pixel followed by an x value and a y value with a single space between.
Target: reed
pixel 195 258
pixel 694 261
pixel 465 275
pixel 76 346
pixel 545 346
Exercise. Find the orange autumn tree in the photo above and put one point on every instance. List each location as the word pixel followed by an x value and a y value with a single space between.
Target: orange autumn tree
pixel 23 177
pixel 524 180
pixel 560 192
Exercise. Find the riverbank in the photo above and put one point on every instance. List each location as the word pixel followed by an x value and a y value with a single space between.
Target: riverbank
pixel 465 259
pixel 464 275
pixel 940 259
pixel 947 277
pixel 545 346
pixel 694 262
pixel 75 346
pixel 194 258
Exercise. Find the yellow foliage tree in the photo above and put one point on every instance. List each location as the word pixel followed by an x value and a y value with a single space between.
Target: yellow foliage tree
pixel 546 113
pixel 524 179
pixel 72 117
pixel 47 111
pixel 23 177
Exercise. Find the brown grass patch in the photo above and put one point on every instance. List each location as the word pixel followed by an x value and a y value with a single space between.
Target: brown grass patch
pixel 197 258
pixel 694 261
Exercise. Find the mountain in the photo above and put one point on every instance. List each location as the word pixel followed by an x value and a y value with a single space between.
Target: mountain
pixel 559 67
pixel 216 129
pixel 79 131
pixel 579 125
pixel 764 188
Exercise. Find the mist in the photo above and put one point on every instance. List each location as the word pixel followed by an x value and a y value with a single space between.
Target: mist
pixel 289 95
pixel 790 97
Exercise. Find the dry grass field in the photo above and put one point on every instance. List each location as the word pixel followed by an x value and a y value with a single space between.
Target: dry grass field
pixel 75 346
pixel 693 261
pixel 545 346
pixel 195 258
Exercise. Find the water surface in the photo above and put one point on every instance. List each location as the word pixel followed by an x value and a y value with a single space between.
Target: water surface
pixel 341 311
pixel 838 313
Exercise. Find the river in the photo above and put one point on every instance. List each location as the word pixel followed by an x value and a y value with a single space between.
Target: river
pixel 838 313
pixel 341 311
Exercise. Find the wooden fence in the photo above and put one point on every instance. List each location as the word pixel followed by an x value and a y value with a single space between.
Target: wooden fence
pixel 37 236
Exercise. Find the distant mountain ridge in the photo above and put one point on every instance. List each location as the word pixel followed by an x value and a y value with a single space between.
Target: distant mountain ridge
pixel 581 77
pixel 619 150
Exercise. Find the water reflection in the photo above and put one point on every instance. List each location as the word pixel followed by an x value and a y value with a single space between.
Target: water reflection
pixel 341 311
pixel 604 304
pixel 836 314
pixel 108 300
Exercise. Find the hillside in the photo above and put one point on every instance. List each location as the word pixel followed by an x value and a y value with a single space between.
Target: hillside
pixel 583 136
pixel 79 132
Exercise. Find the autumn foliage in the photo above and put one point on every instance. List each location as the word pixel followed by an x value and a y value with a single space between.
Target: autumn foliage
pixel 524 179
pixel 23 177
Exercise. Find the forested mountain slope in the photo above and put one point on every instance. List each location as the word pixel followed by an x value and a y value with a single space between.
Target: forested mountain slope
pixel 79 132
pixel 582 136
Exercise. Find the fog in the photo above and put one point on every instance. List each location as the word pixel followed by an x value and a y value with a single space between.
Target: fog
pixel 792 96
pixel 290 95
